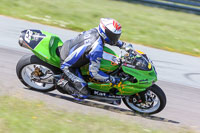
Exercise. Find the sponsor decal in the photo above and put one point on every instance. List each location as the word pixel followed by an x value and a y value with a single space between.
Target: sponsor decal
pixel 99 93
pixel 28 36
pixel 33 37
pixel 103 94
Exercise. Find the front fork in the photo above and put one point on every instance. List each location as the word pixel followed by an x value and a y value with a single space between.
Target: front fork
pixel 139 97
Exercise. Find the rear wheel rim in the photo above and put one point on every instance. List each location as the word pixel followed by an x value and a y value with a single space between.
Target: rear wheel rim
pixel 144 108
pixel 27 72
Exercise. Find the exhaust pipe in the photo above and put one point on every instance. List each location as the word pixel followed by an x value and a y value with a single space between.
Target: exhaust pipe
pixel 22 43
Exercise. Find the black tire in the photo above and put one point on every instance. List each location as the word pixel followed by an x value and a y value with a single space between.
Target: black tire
pixel 161 95
pixel 33 59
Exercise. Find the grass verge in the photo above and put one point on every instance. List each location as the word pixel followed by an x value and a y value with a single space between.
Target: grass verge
pixel 20 116
pixel 159 28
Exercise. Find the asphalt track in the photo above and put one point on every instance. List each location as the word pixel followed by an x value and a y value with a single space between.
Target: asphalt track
pixel 178 74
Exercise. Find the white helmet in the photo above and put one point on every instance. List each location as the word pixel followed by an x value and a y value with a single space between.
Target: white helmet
pixel 110 30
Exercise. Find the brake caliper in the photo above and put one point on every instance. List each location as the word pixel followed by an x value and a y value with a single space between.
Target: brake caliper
pixel 37 72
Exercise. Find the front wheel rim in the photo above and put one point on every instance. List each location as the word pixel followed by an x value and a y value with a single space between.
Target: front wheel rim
pixel 148 110
pixel 27 75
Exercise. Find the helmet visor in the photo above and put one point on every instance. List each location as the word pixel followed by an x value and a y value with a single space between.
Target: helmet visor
pixel 112 36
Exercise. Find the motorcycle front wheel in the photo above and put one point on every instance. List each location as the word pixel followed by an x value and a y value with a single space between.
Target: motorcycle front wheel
pixel 152 101
pixel 31 70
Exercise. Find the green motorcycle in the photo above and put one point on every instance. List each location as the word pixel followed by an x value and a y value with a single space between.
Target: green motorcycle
pixel 41 71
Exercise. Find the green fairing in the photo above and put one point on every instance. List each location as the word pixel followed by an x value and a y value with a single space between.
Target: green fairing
pixel 46 50
pixel 144 79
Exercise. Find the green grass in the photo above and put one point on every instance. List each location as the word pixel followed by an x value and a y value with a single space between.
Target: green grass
pixel 20 116
pixel 155 27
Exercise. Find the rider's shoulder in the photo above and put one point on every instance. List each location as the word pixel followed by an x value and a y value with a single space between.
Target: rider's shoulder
pixel 92 31
pixel 92 34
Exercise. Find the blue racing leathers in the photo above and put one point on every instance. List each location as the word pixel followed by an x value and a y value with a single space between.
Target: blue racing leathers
pixel 86 48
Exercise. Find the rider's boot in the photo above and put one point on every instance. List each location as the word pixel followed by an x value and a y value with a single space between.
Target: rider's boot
pixel 76 86
pixel 78 94
pixel 81 92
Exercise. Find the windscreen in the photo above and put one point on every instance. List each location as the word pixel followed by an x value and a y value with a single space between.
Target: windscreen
pixel 139 62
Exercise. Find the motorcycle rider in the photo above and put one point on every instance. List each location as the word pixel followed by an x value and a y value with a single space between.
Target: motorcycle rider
pixel 86 48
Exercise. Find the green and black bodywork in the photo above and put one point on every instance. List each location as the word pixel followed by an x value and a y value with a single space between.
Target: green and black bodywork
pixel 44 45
pixel 137 72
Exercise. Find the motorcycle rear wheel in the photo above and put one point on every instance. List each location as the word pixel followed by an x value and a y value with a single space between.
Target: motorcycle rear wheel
pixel 157 103
pixel 26 67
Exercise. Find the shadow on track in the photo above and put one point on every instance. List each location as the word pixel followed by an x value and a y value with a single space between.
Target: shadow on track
pixel 107 107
